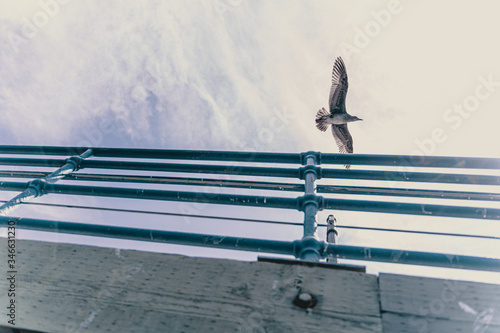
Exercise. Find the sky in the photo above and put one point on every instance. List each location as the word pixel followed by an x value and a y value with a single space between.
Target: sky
pixel 250 75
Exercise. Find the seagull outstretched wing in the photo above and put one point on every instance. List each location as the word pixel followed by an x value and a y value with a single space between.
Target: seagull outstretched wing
pixel 338 91
pixel 343 138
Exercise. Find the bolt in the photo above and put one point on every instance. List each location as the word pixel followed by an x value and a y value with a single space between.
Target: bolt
pixel 305 301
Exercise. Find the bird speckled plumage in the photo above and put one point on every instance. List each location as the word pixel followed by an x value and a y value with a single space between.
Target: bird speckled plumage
pixel 338 116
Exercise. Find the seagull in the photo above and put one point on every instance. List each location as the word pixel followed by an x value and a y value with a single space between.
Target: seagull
pixel 338 116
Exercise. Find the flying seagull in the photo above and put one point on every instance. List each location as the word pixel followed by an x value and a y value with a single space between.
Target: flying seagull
pixel 338 116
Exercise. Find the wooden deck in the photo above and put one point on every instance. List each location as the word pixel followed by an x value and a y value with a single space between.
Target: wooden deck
pixel 77 288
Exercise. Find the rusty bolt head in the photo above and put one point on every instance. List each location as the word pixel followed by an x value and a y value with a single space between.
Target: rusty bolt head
pixel 305 301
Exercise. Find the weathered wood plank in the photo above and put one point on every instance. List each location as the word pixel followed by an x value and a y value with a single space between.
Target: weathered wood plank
pixel 13 329
pixel 418 304
pixel 76 288
pixel 396 323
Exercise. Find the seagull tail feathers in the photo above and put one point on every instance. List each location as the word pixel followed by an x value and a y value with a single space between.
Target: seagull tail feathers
pixel 321 118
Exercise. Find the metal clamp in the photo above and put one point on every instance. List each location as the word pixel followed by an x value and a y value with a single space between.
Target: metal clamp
pixel 308 199
pixel 38 186
pixel 76 161
pixel 309 248
pixel 310 168
pixel 314 154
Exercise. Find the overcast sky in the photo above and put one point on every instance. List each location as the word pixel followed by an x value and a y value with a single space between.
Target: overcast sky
pixel 251 75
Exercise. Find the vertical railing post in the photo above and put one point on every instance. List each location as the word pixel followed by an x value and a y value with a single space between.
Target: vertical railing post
pixel 331 236
pixel 309 247
pixel 310 208
pixel 35 187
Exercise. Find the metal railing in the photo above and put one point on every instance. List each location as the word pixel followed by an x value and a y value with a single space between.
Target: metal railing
pixel 309 168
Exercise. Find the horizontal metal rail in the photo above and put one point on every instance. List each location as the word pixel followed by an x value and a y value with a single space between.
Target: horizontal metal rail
pixel 153 235
pixel 407 192
pixel 419 232
pixel 400 176
pixel 33 162
pixel 331 189
pixel 211 155
pixel 162 167
pixel 150 194
pixel 23 174
pixel 163 180
pixel 414 258
pixel 412 209
pixel 258 185
pixel 258 245
pixel 194 168
pixel 412 161
pixel 271 157
pixel 266 201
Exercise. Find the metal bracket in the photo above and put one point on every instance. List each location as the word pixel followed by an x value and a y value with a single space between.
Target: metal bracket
pixel 308 199
pixel 310 168
pixel 314 154
pixel 38 186
pixel 76 161
pixel 309 247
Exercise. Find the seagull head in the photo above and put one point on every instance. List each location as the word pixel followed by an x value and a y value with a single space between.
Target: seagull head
pixel 354 118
